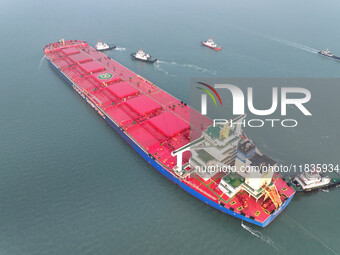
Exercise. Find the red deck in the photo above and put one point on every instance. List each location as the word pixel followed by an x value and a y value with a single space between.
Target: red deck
pixel 80 58
pixel 157 121
pixel 169 124
pixel 92 66
pixel 70 51
pixel 143 105
pixel 123 90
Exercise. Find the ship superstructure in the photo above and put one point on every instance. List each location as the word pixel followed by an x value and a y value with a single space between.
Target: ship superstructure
pixel 244 177
pixel 216 149
pixel 158 127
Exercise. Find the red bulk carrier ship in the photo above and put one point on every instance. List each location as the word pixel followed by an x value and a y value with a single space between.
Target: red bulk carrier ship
pixel 158 127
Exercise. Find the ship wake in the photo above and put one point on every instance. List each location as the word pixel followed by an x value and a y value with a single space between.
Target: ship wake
pixel 260 235
pixel 191 66
pixel 158 68
pixel 42 61
pixel 120 49
pixel 293 44
pixel 312 235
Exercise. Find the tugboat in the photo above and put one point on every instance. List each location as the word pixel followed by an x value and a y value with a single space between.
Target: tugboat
pixel 100 46
pixel 312 181
pixel 211 44
pixel 141 55
pixel 328 54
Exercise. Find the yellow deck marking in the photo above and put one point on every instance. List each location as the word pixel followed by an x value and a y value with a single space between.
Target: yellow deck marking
pixel 233 202
pixel 240 208
pixel 257 213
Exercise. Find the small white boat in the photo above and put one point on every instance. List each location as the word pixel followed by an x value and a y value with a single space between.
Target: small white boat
pixel 100 46
pixel 141 55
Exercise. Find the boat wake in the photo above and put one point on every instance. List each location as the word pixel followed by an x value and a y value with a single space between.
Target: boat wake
pixel 194 67
pixel 41 61
pixel 312 235
pixel 325 190
pixel 158 68
pixel 293 44
pixel 260 235
pixel 120 49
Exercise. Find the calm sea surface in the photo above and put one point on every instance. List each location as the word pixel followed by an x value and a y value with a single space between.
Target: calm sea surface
pixel 70 185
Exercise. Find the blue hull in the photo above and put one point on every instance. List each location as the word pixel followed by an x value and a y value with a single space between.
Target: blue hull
pixel 158 166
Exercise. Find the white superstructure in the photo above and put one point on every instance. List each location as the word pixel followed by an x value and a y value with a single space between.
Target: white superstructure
pixel 211 43
pixel 102 46
pixel 327 52
pixel 311 180
pixel 224 148
pixel 142 55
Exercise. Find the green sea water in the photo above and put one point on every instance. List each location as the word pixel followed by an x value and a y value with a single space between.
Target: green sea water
pixel 70 185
